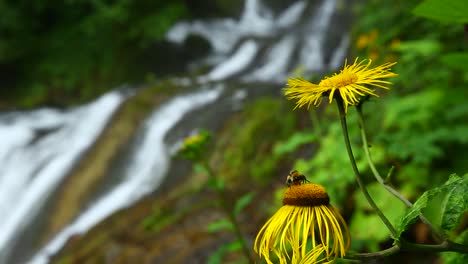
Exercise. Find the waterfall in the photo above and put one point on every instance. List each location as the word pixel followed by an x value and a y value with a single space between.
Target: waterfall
pixel 40 147
pixel 237 45
pixel 147 166
pixel 256 22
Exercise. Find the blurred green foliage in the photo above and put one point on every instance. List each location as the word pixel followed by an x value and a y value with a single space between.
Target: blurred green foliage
pixel 455 11
pixel 194 148
pixel 249 152
pixel 60 51
pixel 219 255
pixel 419 126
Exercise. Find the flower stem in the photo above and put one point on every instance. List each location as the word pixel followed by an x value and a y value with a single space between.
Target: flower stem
pixel 359 179
pixel 315 124
pixel 379 254
pixel 438 236
pixel 407 246
pixel 229 212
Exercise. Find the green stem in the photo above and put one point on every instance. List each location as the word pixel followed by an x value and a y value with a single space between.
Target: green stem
pixel 230 213
pixel 356 171
pixel 406 246
pixel 316 124
pixel 439 237
pixel 379 254
pixel 444 246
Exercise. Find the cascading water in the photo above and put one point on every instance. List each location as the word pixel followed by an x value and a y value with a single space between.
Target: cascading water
pixel 264 47
pixel 39 147
pixel 43 145
pixel 147 166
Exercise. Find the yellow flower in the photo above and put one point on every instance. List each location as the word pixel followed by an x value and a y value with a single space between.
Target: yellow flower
pixel 306 229
pixel 194 147
pixel 192 140
pixel 362 41
pixel 350 83
pixel 365 40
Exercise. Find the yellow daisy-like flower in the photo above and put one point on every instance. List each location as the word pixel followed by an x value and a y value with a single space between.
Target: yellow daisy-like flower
pixel 365 40
pixel 194 147
pixel 306 229
pixel 193 140
pixel 351 83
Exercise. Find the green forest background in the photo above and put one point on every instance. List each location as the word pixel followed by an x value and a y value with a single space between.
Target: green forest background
pixel 418 131
pixel 67 52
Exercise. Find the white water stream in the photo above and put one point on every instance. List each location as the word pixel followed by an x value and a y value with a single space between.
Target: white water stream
pixel 38 148
pixel 145 170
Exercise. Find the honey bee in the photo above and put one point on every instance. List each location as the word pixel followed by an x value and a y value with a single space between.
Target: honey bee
pixel 296 178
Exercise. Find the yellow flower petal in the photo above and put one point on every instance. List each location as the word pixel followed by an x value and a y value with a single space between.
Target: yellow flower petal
pixel 306 229
pixel 353 82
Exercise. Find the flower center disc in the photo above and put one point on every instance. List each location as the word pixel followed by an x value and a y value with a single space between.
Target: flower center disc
pixel 339 80
pixel 306 195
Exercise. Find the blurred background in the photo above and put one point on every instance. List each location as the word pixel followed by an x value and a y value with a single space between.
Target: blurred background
pixel 96 97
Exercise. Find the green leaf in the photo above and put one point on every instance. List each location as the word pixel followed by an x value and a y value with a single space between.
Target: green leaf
pixel 455 204
pixel 424 47
pixel 456 60
pixel 296 140
pixel 220 184
pixel 455 257
pixel 220 225
pixel 414 211
pixel 200 168
pixel 217 256
pixel 216 183
pixel 242 203
pixel 451 11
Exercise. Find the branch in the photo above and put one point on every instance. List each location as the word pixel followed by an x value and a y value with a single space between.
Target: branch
pixel 439 237
pixel 407 246
pixel 379 254
pixel 359 180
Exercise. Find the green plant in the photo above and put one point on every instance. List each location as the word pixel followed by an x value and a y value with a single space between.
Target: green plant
pixel 195 149
pixel 59 51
